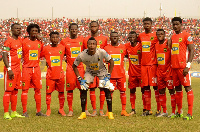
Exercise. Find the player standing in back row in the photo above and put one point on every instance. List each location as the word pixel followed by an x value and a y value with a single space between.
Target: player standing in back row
pixel 148 40
pixel 101 43
pixel 182 52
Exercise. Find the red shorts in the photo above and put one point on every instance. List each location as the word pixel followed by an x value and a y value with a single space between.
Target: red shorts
pixel 16 83
pixel 148 75
pixel 134 81
pixel 55 84
pixel 180 79
pixel 95 83
pixel 31 78
pixel 164 82
pixel 119 83
pixel 71 79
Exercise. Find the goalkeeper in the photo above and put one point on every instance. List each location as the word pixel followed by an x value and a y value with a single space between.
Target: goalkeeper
pixel 93 58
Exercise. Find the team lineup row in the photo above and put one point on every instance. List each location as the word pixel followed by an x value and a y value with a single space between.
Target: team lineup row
pixel 152 61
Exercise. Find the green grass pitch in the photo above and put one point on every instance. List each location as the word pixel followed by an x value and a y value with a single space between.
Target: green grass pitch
pixel 133 123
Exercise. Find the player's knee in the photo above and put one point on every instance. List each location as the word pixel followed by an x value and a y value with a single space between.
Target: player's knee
pixel 155 87
pixel 188 88
pixel 133 90
pixel 171 91
pixel 178 88
pixel 162 91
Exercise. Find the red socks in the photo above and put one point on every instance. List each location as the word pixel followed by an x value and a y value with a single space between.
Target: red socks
pixel 48 100
pixel 6 101
pixel 157 100
pixel 179 97
pixel 24 100
pixel 102 99
pixel 93 99
pixel 61 98
pixel 70 100
pixel 147 96
pixel 37 97
pixel 132 100
pixel 173 102
pixel 123 99
pixel 13 99
pixel 190 99
pixel 163 99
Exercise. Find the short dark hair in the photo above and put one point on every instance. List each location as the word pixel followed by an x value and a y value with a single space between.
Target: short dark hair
pixel 14 25
pixel 177 19
pixel 147 19
pixel 91 38
pixel 32 26
pixel 94 22
pixel 113 32
pixel 133 32
pixel 73 24
pixel 54 32
pixel 160 29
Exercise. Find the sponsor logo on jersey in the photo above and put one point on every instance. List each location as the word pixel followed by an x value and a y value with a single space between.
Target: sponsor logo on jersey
pixel 75 51
pixel 180 40
pixel 94 66
pixel 33 54
pixel 146 46
pixel 116 59
pixel 175 48
pixel 10 84
pixel 165 49
pixel 134 59
pixel 100 42
pixel 161 58
pixel 152 38
pixel 189 39
pixel 55 60
pixel 80 43
pixel 19 53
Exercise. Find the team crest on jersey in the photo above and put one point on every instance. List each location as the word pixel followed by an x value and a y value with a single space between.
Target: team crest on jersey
pixel 189 39
pixel 47 87
pixel 139 51
pixel 100 42
pixel 98 59
pixel 23 84
pixel 128 83
pixel 180 40
pixel 10 84
pixel 60 52
pixel 38 45
pixel 80 43
pixel 165 49
pixel 121 51
pixel 152 38
pixel 68 85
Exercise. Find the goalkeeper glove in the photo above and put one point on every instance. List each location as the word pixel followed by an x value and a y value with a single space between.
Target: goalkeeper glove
pixel 107 80
pixel 83 83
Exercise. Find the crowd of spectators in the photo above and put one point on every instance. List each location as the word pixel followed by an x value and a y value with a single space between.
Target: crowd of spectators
pixel 122 26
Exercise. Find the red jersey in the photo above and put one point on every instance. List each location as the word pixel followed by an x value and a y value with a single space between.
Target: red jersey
pixel 117 53
pixel 72 49
pixel 54 57
pixel 134 56
pixel 101 41
pixel 31 52
pixel 148 42
pixel 14 49
pixel 179 51
pixel 163 54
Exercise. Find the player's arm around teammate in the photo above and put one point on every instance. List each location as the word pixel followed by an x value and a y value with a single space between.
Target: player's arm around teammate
pixel 55 79
pixel 182 52
pixel 93 59
pixel 12 52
